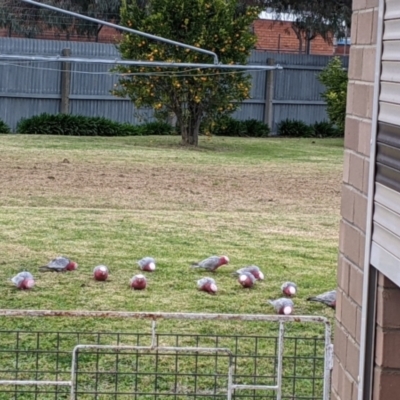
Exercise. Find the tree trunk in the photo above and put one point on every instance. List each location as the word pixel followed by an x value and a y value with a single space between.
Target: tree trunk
pixel 99 27
pixel 300 45
pixel 308 46
pixel 299 37
pixel 309 37
pixel 190 131
pixel 190 135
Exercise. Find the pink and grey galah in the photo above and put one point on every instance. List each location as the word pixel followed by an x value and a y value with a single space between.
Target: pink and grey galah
pixel 327 298
pixel 23 280
pixel 207 285
pixel 138 282
pixel 147 264
pixel 211 263
pixel 60 264
pixel 253 269
pixel 247 279
pixel 289 289
pixel 282 306
pixel 100 273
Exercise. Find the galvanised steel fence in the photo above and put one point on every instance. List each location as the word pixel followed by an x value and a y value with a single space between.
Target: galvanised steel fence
pixel 29 88
pixel 278 364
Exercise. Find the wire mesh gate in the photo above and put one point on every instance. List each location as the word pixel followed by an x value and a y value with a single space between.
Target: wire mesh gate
pixel 153 365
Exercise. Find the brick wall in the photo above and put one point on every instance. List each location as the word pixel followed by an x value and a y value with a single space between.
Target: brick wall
pixel 280 36
pixel 271 36
pixel 106 35
pixel 354 201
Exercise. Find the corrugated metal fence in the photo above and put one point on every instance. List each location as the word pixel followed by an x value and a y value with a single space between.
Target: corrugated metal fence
pixel 29 88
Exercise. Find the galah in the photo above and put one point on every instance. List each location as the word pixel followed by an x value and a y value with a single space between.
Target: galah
pixel 289 289
pixel 207 285
pixel 253 269
pixel 211 263
pixel 23 280
pixel 247 279
pixel 60 264
pixel 138 282
pixel 100 273
pixel 327 298
pixel 282 306
pixel 147 264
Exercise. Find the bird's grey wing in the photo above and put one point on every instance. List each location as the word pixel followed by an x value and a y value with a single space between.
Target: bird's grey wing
pixel 252 268
pixel 146 260
pixel 26 275
pixel 209 262
pixel 58 263
pixel 17 279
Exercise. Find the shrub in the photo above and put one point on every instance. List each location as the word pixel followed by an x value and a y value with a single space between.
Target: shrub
pixel 228 126
pixel 4 128
pixel 74 125
pixel 334 77
pixel 294 128
pixel 256 128
pixel 156 128
pixel 326 129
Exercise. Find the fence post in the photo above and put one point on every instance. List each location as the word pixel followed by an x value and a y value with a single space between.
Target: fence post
pixel 65 82
pixel 269 95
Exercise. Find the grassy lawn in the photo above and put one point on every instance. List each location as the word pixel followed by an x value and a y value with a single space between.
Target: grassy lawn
pixel 269 202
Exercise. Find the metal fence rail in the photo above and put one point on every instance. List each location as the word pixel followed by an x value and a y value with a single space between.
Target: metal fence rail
pixel 154 365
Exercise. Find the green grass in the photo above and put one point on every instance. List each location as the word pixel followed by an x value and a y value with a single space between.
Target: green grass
pixel 270 202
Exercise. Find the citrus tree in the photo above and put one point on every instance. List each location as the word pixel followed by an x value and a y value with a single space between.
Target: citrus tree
pixel 191 94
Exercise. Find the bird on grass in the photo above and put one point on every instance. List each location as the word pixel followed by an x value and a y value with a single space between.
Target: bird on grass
pixel 147 264
pixel 23 280
pixel 289 289
pixel 253 269
pixel 211 263
pixel 100 273
pixel 60 264
pixel 282 306
pixel 138 282
pixel 327 298
pixel 207 285
pixel 247 279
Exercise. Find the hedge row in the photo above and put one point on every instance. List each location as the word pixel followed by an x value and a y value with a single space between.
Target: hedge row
pixel 4 128
pixel 228 126
pixel 296 128
pixel 78 125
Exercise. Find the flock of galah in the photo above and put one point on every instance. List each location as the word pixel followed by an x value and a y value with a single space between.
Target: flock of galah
pixel 247 277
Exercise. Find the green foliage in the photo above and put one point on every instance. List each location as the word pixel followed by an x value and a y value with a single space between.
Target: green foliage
pixel 335 79
pixel 156 128
pixel 326 129
pixel 256 128
pixel 228 126
pixel 74 125
pixel 4 128
pixel 221 26
pixel 294 128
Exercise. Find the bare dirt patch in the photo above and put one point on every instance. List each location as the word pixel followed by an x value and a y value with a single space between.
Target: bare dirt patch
pixel 149 185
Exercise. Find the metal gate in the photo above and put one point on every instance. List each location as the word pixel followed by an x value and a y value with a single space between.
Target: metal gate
pixel 153 365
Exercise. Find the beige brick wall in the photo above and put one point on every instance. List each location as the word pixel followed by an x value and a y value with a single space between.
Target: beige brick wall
pixel 354 201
